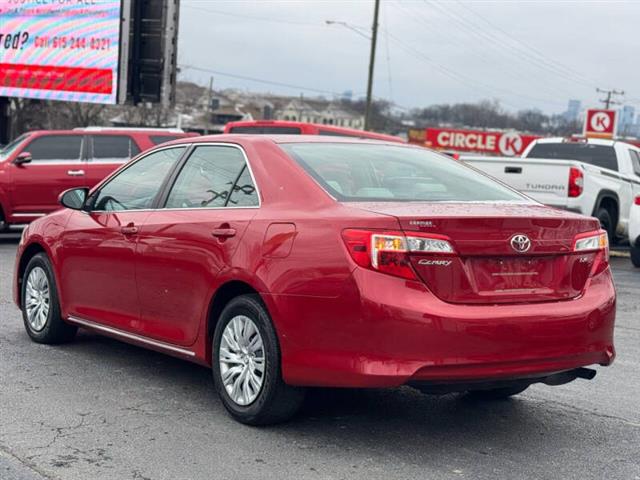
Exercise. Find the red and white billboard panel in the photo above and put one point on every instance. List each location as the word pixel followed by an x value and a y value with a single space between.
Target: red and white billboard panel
pixel 60 50
pixel 600 123
pixel 505 143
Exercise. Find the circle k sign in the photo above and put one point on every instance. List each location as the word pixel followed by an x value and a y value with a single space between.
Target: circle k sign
pixel 600 123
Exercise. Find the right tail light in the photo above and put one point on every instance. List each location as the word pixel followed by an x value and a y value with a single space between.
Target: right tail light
pixel 576 182
pixel 597 242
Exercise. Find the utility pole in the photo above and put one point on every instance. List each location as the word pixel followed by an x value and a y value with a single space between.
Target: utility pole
pixel 209 107
pixel 372 59
pixel 608 101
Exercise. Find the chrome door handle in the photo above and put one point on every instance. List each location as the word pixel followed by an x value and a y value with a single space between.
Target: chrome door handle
pixel 129 230
pixel 75 173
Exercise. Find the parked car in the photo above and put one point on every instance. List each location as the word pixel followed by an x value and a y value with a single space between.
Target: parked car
pixel 37 166
pixel 293 261
pixel 282 127
pixel 589 176
pixel 634 230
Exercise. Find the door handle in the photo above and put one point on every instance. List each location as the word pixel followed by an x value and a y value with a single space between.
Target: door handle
pixel 223 232
pixel 130 229
pixel 75 173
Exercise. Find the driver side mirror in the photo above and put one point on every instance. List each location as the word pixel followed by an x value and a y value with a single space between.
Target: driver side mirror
pixel 74 198
pixel 22 158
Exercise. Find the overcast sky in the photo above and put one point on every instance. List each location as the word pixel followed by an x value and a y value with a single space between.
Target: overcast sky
pixel 534 54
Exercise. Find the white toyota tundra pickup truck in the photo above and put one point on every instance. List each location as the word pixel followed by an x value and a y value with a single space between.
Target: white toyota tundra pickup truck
pixel 590 176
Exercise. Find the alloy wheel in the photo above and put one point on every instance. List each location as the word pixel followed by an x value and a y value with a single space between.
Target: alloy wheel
pixel 242 360
pixel 37 299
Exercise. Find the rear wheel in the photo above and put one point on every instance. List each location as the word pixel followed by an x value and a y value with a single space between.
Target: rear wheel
pixel 497 393
pixel 40 304
pixel 606 222
pixel 635 254
pixel 246 365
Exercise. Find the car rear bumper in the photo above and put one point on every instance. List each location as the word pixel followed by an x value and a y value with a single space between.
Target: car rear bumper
pixel 385 331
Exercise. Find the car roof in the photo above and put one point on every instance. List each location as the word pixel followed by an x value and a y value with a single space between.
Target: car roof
pixel 280 139
pixel 109 131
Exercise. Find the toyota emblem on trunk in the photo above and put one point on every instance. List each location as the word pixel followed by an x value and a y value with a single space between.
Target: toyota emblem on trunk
pixel 520 243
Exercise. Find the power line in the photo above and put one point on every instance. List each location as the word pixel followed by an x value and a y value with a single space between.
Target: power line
pixel 418 17
pixel 508 48
pixel 259 80
pixel 279 84
pixel 608 101
pixel 462 78
pixel 253 17
pixel 528 47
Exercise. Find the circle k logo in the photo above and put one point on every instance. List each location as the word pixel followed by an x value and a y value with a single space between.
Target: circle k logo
pixel 510 144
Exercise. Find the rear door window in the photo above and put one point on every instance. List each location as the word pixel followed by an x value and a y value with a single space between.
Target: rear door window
pixel 599 155
pixel 112 148
pixel 214 177
pixel 56 148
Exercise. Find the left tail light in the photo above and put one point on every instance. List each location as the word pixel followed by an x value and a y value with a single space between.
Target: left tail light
pixel 598 242
pixel 388 251
pixel 576 182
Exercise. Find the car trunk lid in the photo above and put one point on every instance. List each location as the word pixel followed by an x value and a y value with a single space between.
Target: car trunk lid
pixel 504 253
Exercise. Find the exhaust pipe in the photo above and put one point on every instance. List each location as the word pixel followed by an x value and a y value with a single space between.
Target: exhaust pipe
pixel 569 376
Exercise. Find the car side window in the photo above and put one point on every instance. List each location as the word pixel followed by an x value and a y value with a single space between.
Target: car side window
pixel 136 187
pixel 635 161
pixel 56 148
pixel 112 148
pixel 214 176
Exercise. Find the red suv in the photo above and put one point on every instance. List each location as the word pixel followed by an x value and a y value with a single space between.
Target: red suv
pixel 37 166
pixel 295 261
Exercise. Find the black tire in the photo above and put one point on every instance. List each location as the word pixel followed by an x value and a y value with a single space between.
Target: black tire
pixel 276 402
pixel 635 255
pixel 606 222
pixel 55 329
pixel 497 393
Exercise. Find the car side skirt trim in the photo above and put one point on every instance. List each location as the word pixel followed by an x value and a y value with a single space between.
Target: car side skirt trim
pixel 130 336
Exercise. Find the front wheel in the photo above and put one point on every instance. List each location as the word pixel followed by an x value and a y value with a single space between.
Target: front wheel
pixel 40 304
pixel 246 365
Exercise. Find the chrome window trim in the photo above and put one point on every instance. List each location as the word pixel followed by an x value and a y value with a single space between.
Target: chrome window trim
pixel 131 336
pixel 190 147
pixel 194 146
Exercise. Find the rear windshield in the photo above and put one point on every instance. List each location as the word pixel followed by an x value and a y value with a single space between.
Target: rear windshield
pixel 598 155
pixel 370 172
pixel 260 130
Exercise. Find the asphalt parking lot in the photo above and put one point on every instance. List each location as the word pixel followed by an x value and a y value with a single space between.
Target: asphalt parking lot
pixel 100 409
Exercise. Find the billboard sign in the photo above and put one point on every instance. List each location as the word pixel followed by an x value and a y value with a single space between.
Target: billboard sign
pixel 600 123
pixel 506 143
pixel 60 50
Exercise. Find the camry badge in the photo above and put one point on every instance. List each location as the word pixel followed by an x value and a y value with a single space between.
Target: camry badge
pixel 520 243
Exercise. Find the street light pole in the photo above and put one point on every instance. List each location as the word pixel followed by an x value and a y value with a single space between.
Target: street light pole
pixel 372 59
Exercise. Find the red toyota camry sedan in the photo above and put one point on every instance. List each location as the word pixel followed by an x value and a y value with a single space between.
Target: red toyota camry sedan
pixel 287 262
